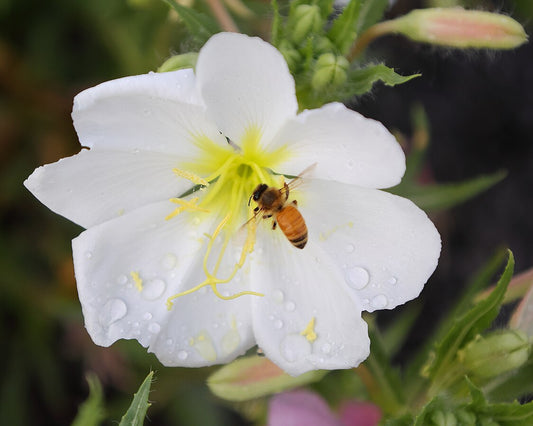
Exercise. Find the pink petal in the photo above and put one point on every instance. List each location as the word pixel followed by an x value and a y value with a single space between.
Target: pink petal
pixel 300 408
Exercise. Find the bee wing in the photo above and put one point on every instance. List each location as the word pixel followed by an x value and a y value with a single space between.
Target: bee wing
pixel 299 180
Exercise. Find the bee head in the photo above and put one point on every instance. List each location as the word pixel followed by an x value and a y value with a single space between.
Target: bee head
pixel 258 191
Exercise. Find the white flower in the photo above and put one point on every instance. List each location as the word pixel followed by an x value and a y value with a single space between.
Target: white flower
pixel 177 270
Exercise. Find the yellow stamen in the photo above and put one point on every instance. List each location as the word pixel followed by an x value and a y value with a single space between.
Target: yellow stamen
pixel 309 331
pixel 190 176
pixel 185 205
pixel 211 279
pixel 137 280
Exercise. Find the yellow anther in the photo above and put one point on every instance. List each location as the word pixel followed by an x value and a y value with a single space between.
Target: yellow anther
pixel 309 331
pixel 211 279
pixel 137 280
pixel 185 205
pixel 190 176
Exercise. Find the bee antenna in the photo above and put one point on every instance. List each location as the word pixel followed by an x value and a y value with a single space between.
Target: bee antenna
pixel 250 200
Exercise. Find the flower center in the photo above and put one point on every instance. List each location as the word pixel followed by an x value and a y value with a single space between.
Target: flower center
pixel 228 175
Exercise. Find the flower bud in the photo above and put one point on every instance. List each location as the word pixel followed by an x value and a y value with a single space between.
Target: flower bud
pixel 179 62
pixel 443 418
pixel 499 353
pixel 291 55
pixel 457 27
pixel 304 21
pixel 329 70
pixel 252 377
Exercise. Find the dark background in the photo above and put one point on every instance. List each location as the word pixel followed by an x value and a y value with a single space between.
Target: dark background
pixel 480 109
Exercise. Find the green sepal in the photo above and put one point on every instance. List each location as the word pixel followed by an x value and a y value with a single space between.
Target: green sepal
pixel 200 26
pixel 372 11
pixel 478 318
pixel 179 62
pixel 361 80
pixel 443 196
pixel 343 31
pixel 92 411
pixel 137 410
pixel 255 376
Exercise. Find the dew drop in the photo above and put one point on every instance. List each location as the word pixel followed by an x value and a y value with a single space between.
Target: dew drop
pixel 169 261
pixel 350 164
pixel 112 311
pixel 122 279
pixel 380 301
pixel 182 355
pixel 278 324
pixel 196 221
pixel 392 280
pixel 154 327
pixel 147 316
pixel 147 112
pixel 278 296
pixel 89 254
pixel 357 277
pixel 294 347
pixel 326 348
pixel 169 341
pixel 290 306
pixel 153 289
pixel 350 248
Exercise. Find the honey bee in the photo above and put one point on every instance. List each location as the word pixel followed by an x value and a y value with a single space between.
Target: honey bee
pixel 272 202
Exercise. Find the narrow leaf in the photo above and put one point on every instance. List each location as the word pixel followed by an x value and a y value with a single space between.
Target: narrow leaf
pixel 137 411
pixel 277 31
pixel 372 11
pixel 91 412
pixel 200 26
pixel 443 196
pixel 362 80
pixel 343 31
pixel 466 327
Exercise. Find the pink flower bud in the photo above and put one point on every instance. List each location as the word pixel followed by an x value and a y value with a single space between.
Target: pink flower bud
pixel 457 27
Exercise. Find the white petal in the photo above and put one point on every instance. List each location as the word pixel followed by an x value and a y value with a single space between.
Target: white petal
pixel 245 82
pixel 166 255
pixel 94 186
pixel 384 245
pixel 152 112
pixel 345 146
pixel 299 286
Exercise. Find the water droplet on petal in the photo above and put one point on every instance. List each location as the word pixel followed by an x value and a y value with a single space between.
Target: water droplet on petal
pixel 290 306
pixel 153 289
pixel 182 355
pixel 326 348
pixel 147 316
pixel 169 261
pixel 294 347
pixel 169 341
pixel 89 254
pixel 392 280
pixel 147 112
pixel 154 328
pixel 357 277
pixel 278 296
pixel 380 301
pixel 122 279
pixel 112 311
pixel 278 324
pixel 350 248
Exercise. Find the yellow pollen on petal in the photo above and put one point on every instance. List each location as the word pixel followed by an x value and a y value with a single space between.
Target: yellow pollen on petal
pixel 137 280
pixel 197 180
pixel 189 205
pixel 211 279
pixel 309 331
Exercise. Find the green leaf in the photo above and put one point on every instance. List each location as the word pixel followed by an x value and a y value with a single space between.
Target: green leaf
pixel 91 412
pixel 362 80
pixel 200 26
pixel 137 411
pixel 277 31
pixel 372 11
pixel 343 30
pixel 394 336
pixel 254 376
pixel 443 196
pixel 465 329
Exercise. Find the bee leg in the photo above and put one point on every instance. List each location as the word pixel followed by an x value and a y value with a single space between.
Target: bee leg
pixel 256 209
pixel 267 216
pixel 286 190
pixel 295 202
pixel 274 224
